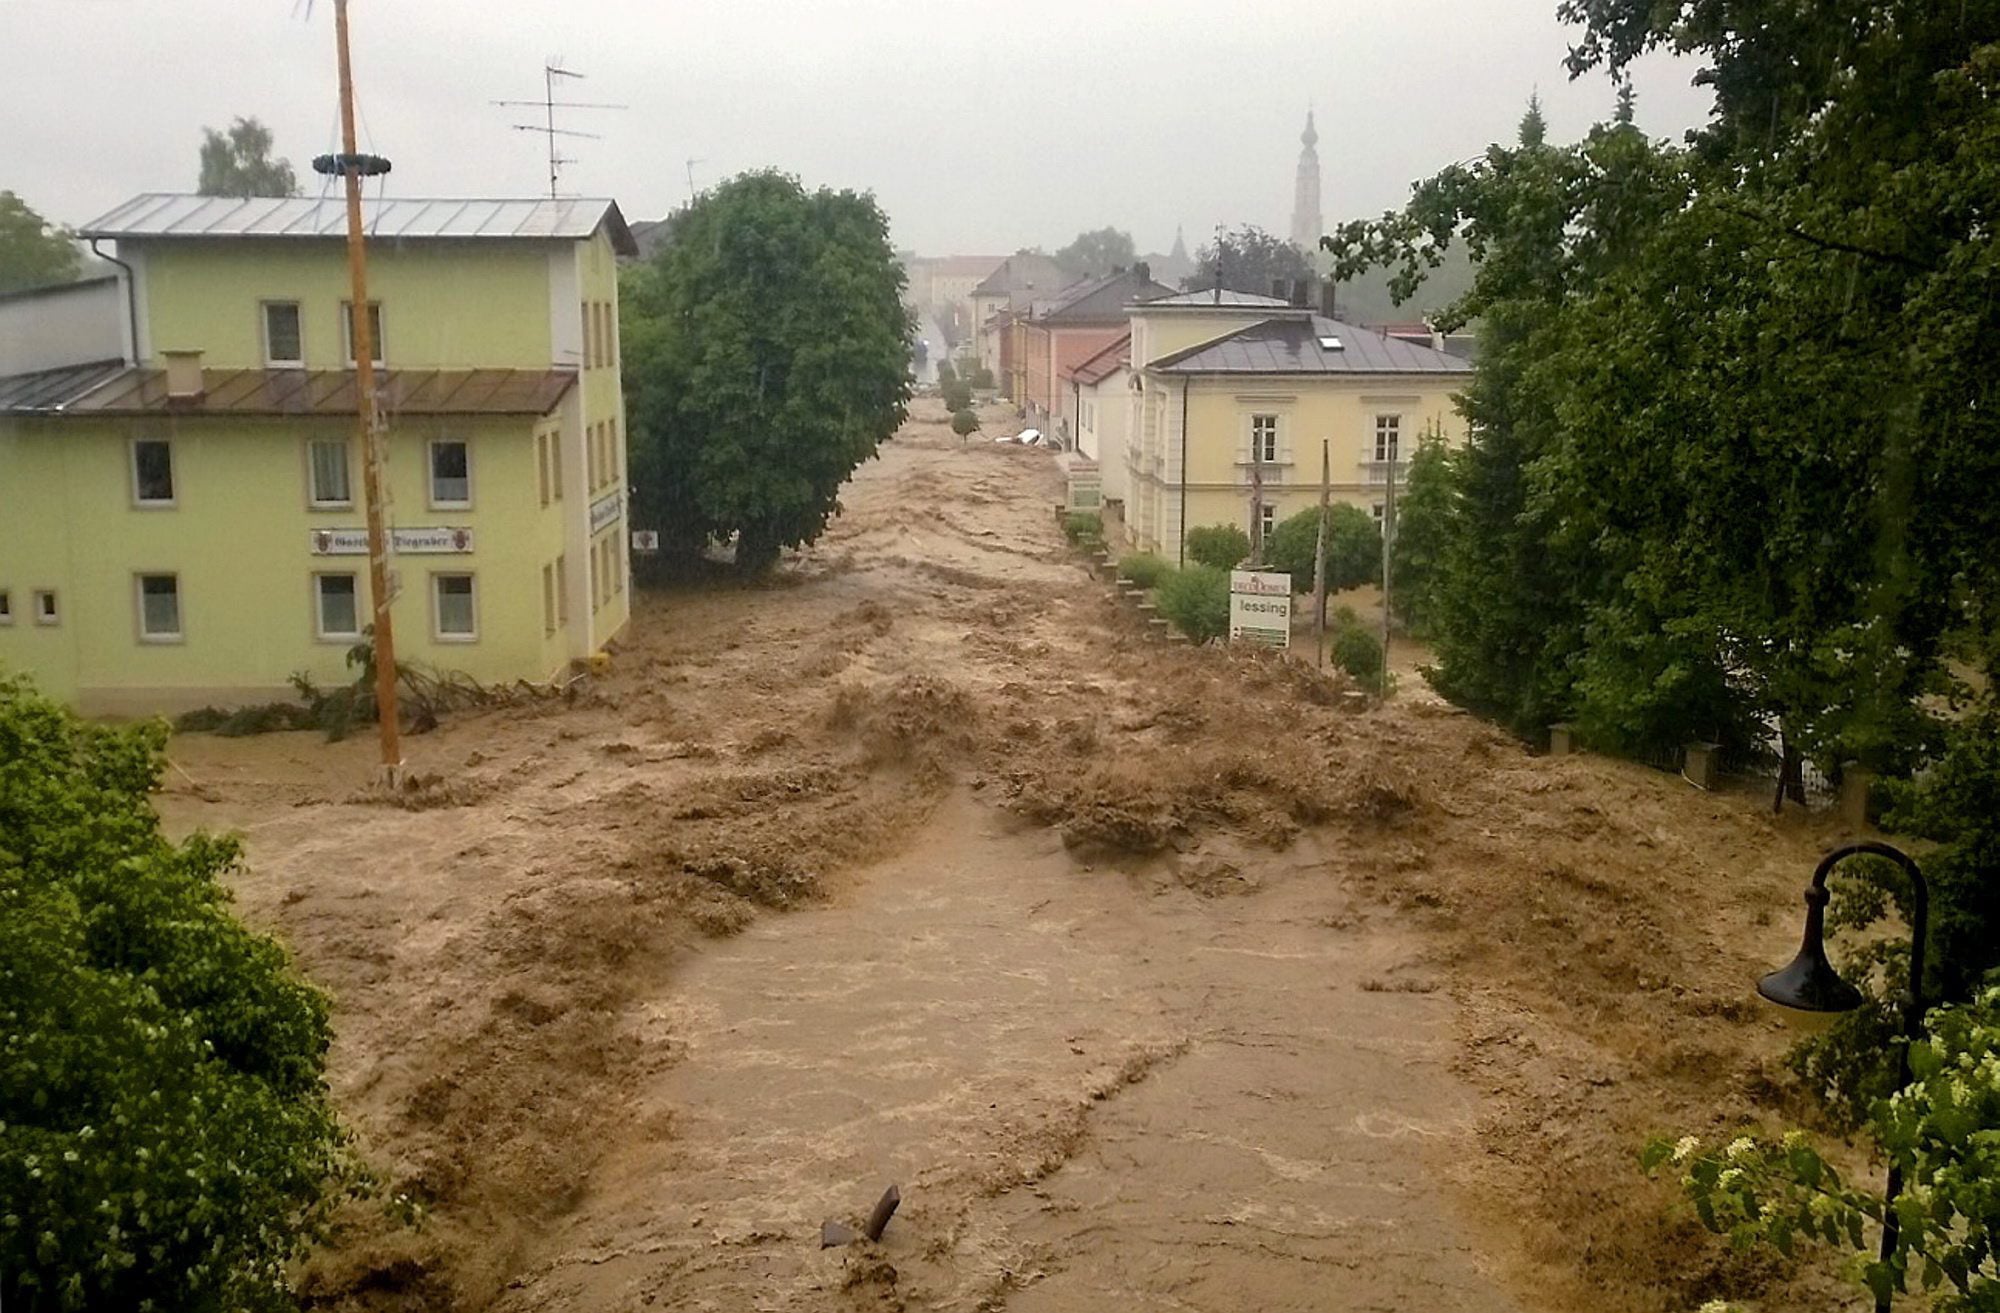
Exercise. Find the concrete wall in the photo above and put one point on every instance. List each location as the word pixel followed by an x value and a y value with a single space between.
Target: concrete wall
pixel 56 326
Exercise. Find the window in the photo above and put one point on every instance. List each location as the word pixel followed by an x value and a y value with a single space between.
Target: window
pixel 1264 437
pixel 1388 432
pixel 379 355
pixel 328 477
pixel 153 472
pixel 284 335
pixel 562 589
pixel 1377 510
pixel 542 465
pixel 548 599
pixel 45 607
pixel 589 337
pixel 1268 515
pixel 336 606
pixel 613 466
pixel 454 618
pixel 451 473
pixel 159 608
pixel 610 336
pixel 555 464
pixel 6 607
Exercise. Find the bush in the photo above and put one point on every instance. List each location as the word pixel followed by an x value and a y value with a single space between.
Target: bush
pixel 1222 546
pixel 964 422
pixel 1353 548
pixel 982 379
pixel 166 1139
pixel 957 395
pixel 1082 527
pixel 1357 651
pixel 1195 601
pixel 946 375
pixel 1143 569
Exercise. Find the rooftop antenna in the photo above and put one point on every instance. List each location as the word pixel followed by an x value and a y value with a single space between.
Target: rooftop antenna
pixel 551 70
pixel 691 164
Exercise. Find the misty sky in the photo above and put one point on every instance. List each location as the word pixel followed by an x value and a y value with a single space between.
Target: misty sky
pixel 981 127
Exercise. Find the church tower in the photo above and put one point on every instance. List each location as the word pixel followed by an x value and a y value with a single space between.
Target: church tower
pixel 1306 228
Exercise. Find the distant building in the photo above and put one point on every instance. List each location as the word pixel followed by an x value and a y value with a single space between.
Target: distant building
pixel 1217 373
pixel 183 522
pixel 1306 223
pixel 1022 280
pixel 1088 317
pixel 941 286
pixel 1176 266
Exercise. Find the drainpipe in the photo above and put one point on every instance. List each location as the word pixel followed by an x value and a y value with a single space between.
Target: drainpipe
pixel 1182 560
pixel 131 296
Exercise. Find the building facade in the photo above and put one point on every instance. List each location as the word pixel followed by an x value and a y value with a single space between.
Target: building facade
pixel 184 526
pixel 1100 406
pixel 1086 319
pixel 1276 387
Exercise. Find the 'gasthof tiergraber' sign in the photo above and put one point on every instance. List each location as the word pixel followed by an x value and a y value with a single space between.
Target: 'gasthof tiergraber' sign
pixel 1260 608
pixel 604 512
pixel 443 540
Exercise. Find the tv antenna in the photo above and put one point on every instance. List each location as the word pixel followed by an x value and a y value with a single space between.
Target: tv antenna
pixel 548 104
pixel 691 164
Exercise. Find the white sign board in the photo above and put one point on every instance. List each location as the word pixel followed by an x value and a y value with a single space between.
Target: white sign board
pixel 1260 608
pixel 442 540
pixel 646 542
pixel 605 510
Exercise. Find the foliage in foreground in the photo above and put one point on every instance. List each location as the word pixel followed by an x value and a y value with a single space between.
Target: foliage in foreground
pixel 1195 601
pixel 1083 528
pixel 1143 569
pixel 166 1140
pixel 1942 1131
pixel 1222 546
pixel 765 357
pixel 1353 547
pixel 238 163
pixel 1355 649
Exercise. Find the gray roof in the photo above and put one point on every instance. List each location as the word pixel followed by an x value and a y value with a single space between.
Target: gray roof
pixel 1105 300
pixel 114 388
pixel 158 214
pixel 47 391
pixel 56 289
pixel 1208 297
pixel 1294 346
pixel 1024 271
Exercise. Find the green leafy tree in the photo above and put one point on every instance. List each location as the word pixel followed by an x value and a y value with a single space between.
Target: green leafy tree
pixel 1248 260
pixel 166 1140
pixel 238 162
pixel 1353 548
pixel 1097 252
pixel 1942 1132
pixel 1195 600
pixel 1220 545
pixel 964 422
pixel 1424 514
pixel 765 360
pixel 32 252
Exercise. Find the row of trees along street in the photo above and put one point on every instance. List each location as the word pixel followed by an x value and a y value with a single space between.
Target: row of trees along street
pixel 1731 479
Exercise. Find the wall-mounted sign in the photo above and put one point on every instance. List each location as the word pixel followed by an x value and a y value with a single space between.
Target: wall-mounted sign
pixel 441 540
pixel 605 510
pixel 646 542
pixel 1260 607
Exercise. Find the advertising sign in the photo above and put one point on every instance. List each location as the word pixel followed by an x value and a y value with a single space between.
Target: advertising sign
pixel 440 540
pixel 1260 608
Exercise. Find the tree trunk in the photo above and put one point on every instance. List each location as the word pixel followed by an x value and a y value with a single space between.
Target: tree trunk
pixel 1791 776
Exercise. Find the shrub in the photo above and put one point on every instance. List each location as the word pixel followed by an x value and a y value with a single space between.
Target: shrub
pixel 1222 546
pixel 1353 548
pixel 166 1138
pixel 946 375
pixel 1195 601
pixel 1143 569
pixel 957 395
pixel 964 422
pixel 1083 527
pixel 1357 651
pixel 982 379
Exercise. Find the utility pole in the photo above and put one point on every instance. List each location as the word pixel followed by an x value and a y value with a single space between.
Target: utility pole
pixel 1388 539
pixel 353 166
pixel 1319 554
pixel 1256 498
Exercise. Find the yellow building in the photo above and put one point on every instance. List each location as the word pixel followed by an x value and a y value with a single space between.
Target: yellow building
pixel 1214 373
pixel 184 526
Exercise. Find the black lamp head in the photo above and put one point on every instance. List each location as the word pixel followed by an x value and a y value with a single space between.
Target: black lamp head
pixel 1809 982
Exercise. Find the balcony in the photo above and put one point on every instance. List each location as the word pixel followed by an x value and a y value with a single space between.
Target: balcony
pixel 1375 473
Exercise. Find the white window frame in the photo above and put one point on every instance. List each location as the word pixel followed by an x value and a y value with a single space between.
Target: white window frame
pixel 438 633
pixel 47 605
pixel 320 632
pixel 1381 513
pixel 562 590
pixel 1270 443
pixel 1269 512
pixel 435 502
pixel 381 324
pixel 179 632
pixel 313 500
pixel 172 499
pixel 1388 426
pixel 271 361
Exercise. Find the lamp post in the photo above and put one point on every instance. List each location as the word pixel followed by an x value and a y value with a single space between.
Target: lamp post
pixel 1810 984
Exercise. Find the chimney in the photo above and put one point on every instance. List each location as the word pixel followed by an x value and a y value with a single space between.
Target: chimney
pixel 1329 299
pixel 1437 338
pixel 183 375
pixel 1142 272
pixel 1301 293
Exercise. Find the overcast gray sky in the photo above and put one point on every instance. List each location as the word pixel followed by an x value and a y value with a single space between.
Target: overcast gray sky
pixel 981 127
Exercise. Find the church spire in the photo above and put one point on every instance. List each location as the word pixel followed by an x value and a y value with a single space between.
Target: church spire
pixel 1306 227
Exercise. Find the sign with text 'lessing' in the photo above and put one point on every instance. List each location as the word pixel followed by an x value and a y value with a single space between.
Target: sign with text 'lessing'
pixel 442 540
pixel 1260 608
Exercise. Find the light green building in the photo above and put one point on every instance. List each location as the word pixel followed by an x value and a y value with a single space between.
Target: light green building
pixel 184 526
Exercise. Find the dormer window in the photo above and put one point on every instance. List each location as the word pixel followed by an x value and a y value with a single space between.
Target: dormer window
pixel 284 338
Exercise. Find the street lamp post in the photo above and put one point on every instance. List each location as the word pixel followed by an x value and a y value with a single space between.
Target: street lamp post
pixel 1810 984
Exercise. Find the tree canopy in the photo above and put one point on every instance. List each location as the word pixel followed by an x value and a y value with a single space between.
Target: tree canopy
pixel 32 252
pixel 166 1139
pixel 1247 260
pixel 765 358
pixel 1353 548
pixel 238 162
pixel 1097 252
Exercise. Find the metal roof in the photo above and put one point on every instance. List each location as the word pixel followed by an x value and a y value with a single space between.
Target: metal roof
pixel 1299 346
pixel 1208 297
pixel 115 390
pixel 159 214
pixel 1102 300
